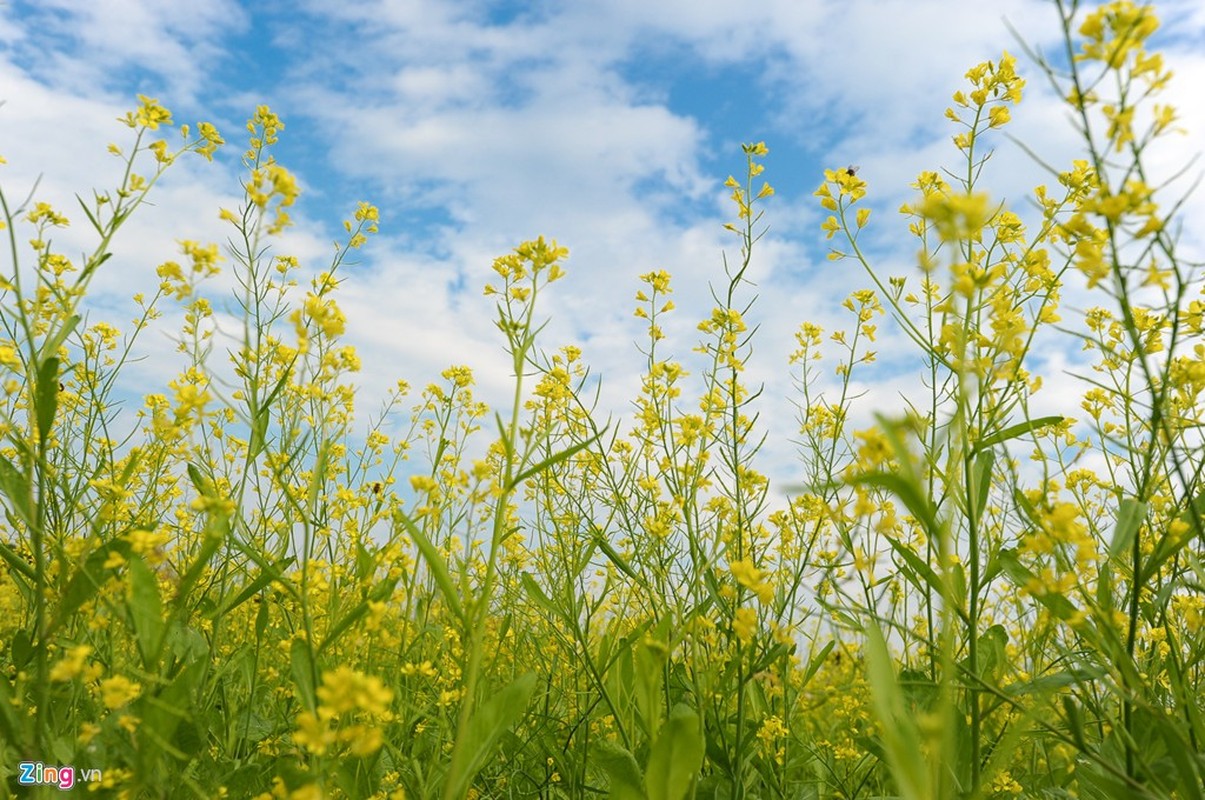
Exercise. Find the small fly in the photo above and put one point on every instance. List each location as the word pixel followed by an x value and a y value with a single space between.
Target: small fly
pixel 852 170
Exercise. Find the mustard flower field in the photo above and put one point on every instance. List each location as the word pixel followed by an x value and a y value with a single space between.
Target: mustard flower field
pixel 247 588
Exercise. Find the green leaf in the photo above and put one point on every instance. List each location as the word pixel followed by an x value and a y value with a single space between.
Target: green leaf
pixel 47 401
pixel 613 555
pixel 88 578
pixel 627 782
pixel 817 661
pixel 21 649
pixel 492 718
pixel 985 464
pixel 1188 770
pixel 435 562
pixel 146 610
pixel 537 595
pixel 1075 722
pixel 50 347
pixel 15 487
pixel 261 620
pixel 261 414
pixel 1130 514
pixel 210 543
pixel 901 739
pixel 917 570
pixel 1014 431
pixel 676 757
pixel 917 503
pixel 202 484
pixel 379 592
pixel 90 216
pixel 779 650
pixel 265 577
pixel 162 712
pixel 552 460
pixel 651 653
pixel 993 655
pixel 15 562
pixel 1021 577
pixel 302 666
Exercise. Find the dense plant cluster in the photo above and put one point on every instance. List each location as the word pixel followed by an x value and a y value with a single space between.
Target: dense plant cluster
pixel 247 595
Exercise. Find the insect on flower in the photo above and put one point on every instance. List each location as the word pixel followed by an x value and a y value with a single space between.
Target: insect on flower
pixel 852 170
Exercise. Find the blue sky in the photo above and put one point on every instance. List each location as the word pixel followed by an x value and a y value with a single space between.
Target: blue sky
pixel 609 125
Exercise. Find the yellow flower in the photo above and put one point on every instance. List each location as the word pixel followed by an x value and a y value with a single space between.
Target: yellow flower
pixel 751 578
pixel 346 690
pixel 71 664
pixel 118 690
pixel 744 624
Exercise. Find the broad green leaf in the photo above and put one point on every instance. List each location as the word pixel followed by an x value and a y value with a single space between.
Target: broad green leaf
pixel 651 653
pixel 302 666
pixel 993 651
pixel 901 739
pixel 435 562
pixel 985 463
pixel 1075 722
pixel 1130 515
pixel 917 503
pixel 15 487
pixel 676 757
pixel 627 782
pixel 21 649
pixel 201 483
pixel 146 610
pixel 162 712
pixel 88 579
pixel 492 718
pixel 47 401
pixel 1189 772
pixel 261 620
pixel 1014 431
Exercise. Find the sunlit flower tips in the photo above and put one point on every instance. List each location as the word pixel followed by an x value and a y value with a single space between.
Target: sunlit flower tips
pixel 830 226
pixel 367 212
pixel 149 114
pixel 43 213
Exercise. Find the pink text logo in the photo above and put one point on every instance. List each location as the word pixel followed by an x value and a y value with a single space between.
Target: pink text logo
pixel 35 773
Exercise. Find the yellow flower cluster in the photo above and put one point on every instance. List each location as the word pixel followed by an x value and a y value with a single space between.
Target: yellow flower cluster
pixel 352 706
